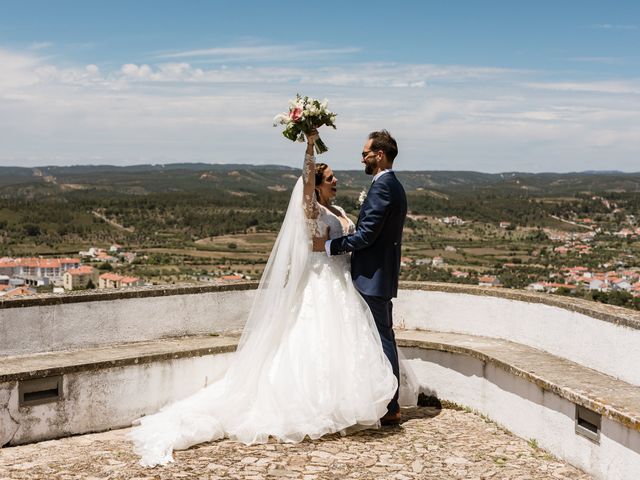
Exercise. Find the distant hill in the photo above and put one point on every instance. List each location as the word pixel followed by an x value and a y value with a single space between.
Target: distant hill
pixel 175 204
pixel 242 178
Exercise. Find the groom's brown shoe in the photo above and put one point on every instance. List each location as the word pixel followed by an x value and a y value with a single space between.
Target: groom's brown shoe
pixel 391 419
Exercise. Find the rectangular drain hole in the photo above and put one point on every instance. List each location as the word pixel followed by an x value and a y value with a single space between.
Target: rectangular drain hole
pixel 40 390
pixel 588 423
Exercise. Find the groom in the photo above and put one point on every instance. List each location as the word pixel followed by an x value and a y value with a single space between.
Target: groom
pixel 375 263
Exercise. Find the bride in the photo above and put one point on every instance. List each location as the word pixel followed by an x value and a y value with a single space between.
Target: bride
pixel 309 361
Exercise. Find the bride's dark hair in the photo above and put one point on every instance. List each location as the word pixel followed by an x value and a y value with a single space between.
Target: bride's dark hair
pixel 320 168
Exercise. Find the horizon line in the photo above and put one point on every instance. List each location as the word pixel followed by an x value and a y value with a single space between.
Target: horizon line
pixel 275 165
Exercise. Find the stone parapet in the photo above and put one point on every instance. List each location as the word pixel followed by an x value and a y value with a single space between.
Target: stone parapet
pixel 82 320
pixel 608 313
pixel 23 367
pixel 583 386
pixel 82 296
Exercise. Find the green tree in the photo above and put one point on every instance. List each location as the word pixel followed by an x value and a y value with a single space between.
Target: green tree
pixel 32 230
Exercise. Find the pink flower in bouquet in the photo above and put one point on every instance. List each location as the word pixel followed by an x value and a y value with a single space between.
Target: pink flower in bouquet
pixel 295 114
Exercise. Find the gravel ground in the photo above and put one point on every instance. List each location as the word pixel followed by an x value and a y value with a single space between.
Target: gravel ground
pixel 430 444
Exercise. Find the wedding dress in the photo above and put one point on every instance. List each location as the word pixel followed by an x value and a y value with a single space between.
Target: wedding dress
pixel 309 361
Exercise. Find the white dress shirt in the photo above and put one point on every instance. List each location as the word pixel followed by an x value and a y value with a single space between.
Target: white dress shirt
pixel 379 174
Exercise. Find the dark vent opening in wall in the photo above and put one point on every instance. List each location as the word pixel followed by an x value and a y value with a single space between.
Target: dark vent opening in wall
pixel 42 394
pixel 588 423
pixel 37 391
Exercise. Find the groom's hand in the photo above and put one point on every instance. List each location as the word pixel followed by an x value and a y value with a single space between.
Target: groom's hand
pixel 318 242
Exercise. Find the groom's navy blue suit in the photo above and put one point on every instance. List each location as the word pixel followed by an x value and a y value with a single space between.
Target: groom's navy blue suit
pixel 375 262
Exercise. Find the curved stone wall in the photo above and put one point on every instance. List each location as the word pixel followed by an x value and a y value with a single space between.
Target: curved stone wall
pixel 82 320
pixel 602 337
pixel 529 411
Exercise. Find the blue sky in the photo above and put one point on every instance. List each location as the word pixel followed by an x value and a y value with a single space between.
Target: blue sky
pixel 490 86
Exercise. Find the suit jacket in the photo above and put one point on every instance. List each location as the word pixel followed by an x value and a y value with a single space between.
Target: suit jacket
pixel 376 244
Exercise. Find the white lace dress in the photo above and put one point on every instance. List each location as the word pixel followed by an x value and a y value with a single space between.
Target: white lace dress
pixel 320 371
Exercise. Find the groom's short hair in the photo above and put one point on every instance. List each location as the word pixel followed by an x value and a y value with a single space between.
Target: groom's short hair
pixel 383 140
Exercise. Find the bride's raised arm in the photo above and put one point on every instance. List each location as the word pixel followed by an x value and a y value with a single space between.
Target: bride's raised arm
pixel 311 209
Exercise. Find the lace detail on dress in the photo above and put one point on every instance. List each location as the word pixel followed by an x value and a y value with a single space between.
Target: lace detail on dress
pixel 313 228
pixel 309 179
pixel 351 229
pixel 318 217
pixel 336 228
pixel 310 204
pixel 309 167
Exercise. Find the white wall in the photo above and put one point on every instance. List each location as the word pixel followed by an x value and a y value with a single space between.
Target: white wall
pixel 64 326
pixel 601 345
pixel 106 399
pixel 528 411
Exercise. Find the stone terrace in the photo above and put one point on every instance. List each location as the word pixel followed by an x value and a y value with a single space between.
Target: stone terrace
pixel 557 373
pixel 430 444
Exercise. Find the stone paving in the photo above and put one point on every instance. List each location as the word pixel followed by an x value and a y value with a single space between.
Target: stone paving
pixel 430 444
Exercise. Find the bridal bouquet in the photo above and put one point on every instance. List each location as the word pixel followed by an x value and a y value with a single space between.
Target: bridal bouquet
pixel 304 115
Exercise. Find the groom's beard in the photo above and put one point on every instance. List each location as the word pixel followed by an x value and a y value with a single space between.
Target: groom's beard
pixel 368 169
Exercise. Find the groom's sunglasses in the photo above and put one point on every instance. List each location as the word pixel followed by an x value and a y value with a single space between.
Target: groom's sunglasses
pixel 366 154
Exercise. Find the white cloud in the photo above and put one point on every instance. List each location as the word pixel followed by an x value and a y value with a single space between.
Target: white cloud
pixel 444 116
pixel 260 53
pixel 600 60
pixel 615 87
pixel 41 45
pixel 17 69
pixel 609 26
pixel 135 71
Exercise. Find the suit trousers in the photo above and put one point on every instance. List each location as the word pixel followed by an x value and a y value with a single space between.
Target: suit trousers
pixel 382 309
